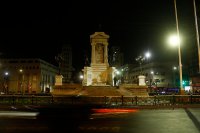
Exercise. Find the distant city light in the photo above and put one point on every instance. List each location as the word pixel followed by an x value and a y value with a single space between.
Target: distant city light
pixel 174 68
pixel 6 73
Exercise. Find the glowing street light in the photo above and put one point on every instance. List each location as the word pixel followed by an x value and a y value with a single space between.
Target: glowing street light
pixel 81 76
pixel 6 73
pixel 174 68
pixel 175 41
pixel 20 70
pixel 118 72
pixel 147 55
pixel 152 72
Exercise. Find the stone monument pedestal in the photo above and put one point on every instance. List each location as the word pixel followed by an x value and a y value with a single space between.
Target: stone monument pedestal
pixel 141 80
pixel 58 80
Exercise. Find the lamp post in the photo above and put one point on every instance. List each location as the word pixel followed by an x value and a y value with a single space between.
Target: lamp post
pixel 22 81
pixel 179 50
pixel 174 76
pixel 151 79
pixel 175 40
pixel 6 74
pixel 81 78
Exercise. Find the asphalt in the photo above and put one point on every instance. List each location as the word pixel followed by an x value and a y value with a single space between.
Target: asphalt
pixel 82 119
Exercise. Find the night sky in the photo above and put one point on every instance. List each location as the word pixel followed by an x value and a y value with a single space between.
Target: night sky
pixel 38 30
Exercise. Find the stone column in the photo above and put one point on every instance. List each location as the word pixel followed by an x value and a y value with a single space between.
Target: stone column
pixel 106 53
pixel 93 53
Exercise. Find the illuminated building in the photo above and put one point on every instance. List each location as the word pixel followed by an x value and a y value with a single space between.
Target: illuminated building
pixel 27 75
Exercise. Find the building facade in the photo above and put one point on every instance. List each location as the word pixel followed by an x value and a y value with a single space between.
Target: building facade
pixel 156 74
pixel 66 65
pixel 27 76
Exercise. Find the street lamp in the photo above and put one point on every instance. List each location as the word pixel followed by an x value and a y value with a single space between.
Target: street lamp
pixel 148 55
pixel 22 81
pixel 6 82
pixel 81 77
pixel 179 50
pixel 175 41
pixel 174 72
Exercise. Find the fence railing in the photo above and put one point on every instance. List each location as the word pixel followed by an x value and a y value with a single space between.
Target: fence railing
pixel 102 100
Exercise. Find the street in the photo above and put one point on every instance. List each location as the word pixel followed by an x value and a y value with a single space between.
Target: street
pixel 142 121
pixel 89 119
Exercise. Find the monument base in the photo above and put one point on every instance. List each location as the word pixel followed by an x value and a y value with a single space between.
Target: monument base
pixel 141 80
pixel 135 90
pixel 58 80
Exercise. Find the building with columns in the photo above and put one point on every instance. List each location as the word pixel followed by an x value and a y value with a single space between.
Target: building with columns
pixel 99 73
pixel 26 76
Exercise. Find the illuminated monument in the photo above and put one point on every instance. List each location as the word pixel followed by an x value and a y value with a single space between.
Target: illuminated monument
pixel 99 73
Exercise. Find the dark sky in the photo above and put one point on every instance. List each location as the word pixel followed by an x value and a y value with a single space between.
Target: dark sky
pixel 36 29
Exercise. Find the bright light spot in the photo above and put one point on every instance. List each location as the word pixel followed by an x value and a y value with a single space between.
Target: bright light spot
pixel 187 88
pixel 174 40
pixel 20 70
pixel 174 68
pixel 81 76
pixel 117 72
pixel 148 55
pixel 6 73
pixel 152 72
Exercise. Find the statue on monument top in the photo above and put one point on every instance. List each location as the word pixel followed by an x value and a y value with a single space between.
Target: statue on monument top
pixel 99 53
pixel 140 59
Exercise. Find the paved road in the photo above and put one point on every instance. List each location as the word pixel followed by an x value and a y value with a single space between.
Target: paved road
pixel 87 119
pixel 143 121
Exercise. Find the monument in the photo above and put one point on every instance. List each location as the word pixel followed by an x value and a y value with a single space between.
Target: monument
pixel 140 59
pixel 99 73
pixel 59 77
